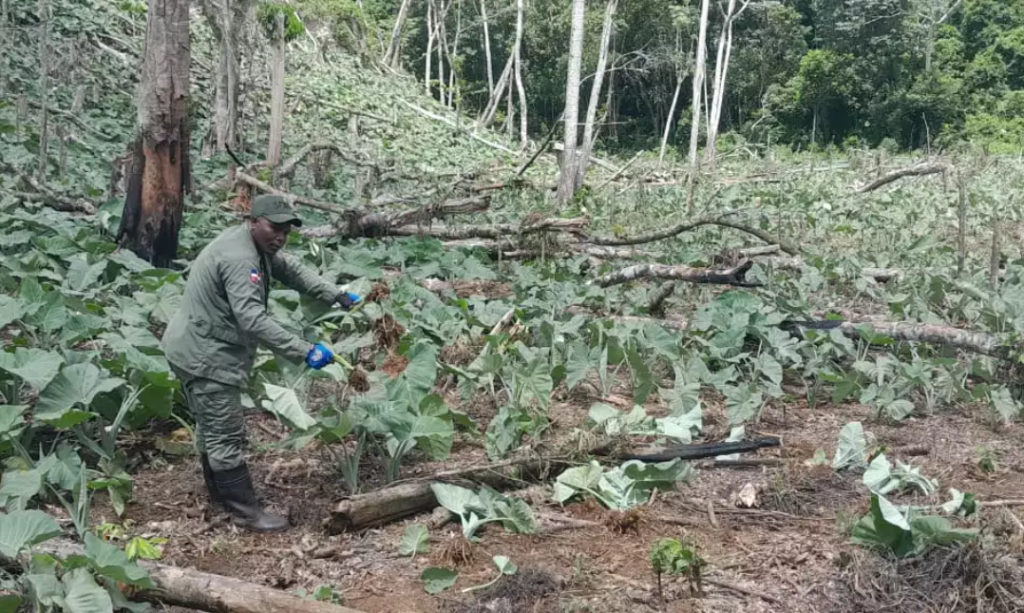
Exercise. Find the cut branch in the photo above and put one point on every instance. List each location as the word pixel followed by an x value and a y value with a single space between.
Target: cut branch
pixel 919 170
pixel 293 198
pixel 718 220
pixel 54 200
pixel 731 276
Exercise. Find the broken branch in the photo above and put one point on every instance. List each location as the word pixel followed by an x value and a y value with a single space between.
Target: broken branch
pixel 730 276
pixel 920 170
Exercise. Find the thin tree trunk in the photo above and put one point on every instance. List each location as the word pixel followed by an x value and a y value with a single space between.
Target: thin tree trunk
pixel 961 258
pixel 439 16
pixel 721 75
pixel 226 19
pixel 487 45
pixel 452 76
pixel 671 115
pixel 567 179
pixel 44 87
pixel 277 94
pixel 393 54
pixel 160 171
pixel 523 120
pixel 698 83
pixel 589 129
pixel 430 48
pixel 496 95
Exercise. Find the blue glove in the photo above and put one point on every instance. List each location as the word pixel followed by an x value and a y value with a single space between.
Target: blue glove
pixel 319 356
pixel 347 300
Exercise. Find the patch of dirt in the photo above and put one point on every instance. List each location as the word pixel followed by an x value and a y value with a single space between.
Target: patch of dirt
pixel 460 353
pixel 527 590
pixel 793 546
pixel 490 290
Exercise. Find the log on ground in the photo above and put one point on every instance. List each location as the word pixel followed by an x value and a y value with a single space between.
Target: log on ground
pixel 193 589
pixel 735 276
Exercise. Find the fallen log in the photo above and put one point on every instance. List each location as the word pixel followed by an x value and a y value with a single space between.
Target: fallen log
pixel 404 499
pixel 689 452
pixel 54 200
pixel 253 182
pixel 193 589
pixel 730 276
pixel 919 170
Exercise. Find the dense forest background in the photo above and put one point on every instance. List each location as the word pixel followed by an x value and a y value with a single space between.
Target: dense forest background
pixel 903 73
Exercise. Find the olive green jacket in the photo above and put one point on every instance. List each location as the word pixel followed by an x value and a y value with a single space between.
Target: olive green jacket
pixel 223 316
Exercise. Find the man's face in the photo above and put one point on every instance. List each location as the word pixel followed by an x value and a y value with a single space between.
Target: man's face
pixel 269 237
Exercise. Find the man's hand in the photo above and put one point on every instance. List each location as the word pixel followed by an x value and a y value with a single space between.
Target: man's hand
pixel 319 356
pixel 347 300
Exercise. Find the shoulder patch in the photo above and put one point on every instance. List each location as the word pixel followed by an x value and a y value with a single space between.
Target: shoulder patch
pixel 255 276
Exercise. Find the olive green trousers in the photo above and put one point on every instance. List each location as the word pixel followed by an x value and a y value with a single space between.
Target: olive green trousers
pixel 220 421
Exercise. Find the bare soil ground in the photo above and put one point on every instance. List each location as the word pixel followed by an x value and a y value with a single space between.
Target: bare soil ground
pixel 790 553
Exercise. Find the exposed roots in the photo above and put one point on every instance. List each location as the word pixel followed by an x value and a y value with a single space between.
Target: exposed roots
pixel 979 576
pixel 379 292
pixel 387 332
pixel 810 492
pixel 460 353
pixel 394 364
pixel 456 552
pixel 358 379
pixel 627 522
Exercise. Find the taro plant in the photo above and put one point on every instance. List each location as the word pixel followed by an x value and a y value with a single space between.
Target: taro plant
pixel 677 557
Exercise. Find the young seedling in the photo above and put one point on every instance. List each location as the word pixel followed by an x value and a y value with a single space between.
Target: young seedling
pixel 505 567
pixel 676 557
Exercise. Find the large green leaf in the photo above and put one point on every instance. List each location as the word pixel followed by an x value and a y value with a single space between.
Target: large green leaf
pixel 643 382
pixel 580 360
pixel 20 529
pixel 10 603
pixel 437 580
pixel 84 595
pixel 18 487
pixel 852 448
pixel 82 275
pixel 283 402
pixel 454 498
pixel 575 480
pixel 11 417
pixel 52 313
pixel 110 561
pixel 35 366
pixel 11 310
pixel 76 386
pixel 415 541
pixel 433 435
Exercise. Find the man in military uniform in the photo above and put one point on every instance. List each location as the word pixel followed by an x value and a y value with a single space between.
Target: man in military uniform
pixel 211 344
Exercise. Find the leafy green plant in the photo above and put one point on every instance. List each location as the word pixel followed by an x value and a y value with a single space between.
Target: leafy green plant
pixel 905 533
pixel 621 488
pixel 475 509
pixel 672 556
pixel 436 579
pixel 414 542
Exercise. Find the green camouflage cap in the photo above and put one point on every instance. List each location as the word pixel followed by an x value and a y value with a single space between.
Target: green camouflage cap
pixel 274 208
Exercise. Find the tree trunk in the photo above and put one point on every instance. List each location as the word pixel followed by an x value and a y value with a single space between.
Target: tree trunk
pixel 671 115
pixel 487 117
pixel 44 87
pixel 699 70
pixel 523 122
pixel 439 16
pixel 393 54
pixel 227 18
pixel 429 57
pixel 277 94
pixel 721 74
pixel 487 45
pixel 160 172
pixel 589 129
pixel 567 178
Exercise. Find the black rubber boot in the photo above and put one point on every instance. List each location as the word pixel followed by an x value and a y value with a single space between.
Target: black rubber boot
pixel 236 491
pixel 216 500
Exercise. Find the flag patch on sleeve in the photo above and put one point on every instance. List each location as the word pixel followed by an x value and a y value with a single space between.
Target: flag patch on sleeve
pixel 255 276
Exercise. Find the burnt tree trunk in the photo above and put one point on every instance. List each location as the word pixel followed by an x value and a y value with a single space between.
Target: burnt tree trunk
pixel 160 172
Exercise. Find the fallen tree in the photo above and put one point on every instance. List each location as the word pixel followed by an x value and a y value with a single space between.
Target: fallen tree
pixel 193 589
pixel 730 276
pixel 404 499
pixel 918 170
